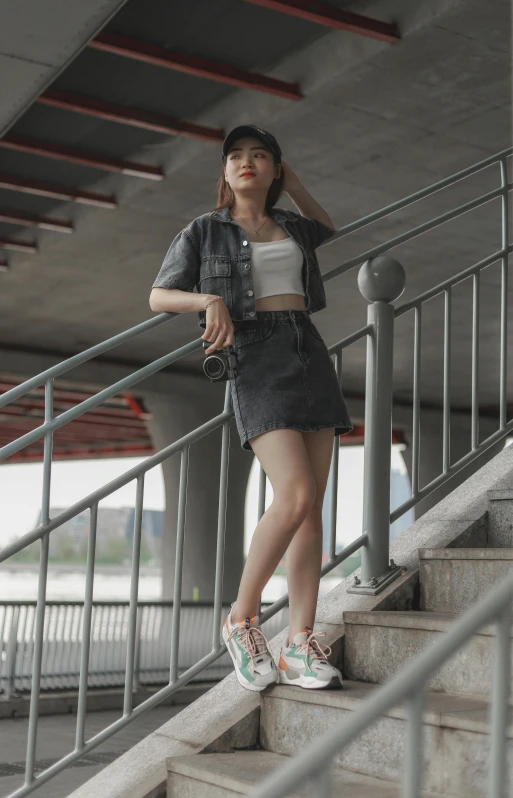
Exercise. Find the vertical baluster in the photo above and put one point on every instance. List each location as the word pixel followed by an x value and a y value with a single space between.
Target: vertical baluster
pixel 262 485
pixel 66 669
pixel 30 648
pixel 504 293
pixel 41 592
pixel 49 651
pixel 137 659
pixel 332 545
pixel 152 637
pixel 221 523
pixel 134 593
pixel 101 649
pixel 77 646
pixel 12 651
pixel 177 587
pixel 110 641
pixel 3 647
pixel 497 775
pixel 413 747
pixel 416 402
pixel 475 359
pixel 25 662
pixel 24 613
pixel 447 383
pixel 86 629
pixel 59 658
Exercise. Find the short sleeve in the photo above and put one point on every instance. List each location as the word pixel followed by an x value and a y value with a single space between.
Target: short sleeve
pixel 314 231
pixel 181 265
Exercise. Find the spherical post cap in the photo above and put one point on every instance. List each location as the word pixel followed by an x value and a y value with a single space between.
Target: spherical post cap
pixel 381 279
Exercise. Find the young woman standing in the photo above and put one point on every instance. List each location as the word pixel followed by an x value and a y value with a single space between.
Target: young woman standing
pixel 259 280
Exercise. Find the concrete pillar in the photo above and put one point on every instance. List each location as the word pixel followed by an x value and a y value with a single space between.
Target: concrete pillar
pixel 194 402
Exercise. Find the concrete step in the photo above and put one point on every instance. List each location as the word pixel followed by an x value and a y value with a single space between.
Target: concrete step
pixel 451 580
pixel 455 734
pixel 378 644
pixel 500 516
pixel 224 775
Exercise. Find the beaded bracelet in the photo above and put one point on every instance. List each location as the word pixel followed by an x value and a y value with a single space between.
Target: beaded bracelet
pixel 212 300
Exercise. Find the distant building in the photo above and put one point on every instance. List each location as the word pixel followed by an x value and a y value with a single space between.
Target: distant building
pixel 115 528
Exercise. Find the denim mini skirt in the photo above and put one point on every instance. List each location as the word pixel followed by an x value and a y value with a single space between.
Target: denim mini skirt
pixel 285 377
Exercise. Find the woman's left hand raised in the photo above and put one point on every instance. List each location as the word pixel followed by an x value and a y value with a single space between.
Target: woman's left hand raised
pixel 291 180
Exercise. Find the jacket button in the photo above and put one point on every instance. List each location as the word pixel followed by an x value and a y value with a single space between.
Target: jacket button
pixel 251 312
pixel 244 243
pixel 247 266
pixel 250 293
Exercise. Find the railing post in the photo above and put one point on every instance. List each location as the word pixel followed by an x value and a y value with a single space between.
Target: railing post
pixel 380 280
pixel 11 653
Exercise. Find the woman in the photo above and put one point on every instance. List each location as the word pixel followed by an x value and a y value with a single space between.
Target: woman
pixel 258 280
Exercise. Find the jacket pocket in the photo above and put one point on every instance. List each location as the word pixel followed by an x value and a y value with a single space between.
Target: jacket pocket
pixel 216 278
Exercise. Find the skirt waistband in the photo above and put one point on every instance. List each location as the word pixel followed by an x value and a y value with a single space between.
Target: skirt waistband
pixel 265 315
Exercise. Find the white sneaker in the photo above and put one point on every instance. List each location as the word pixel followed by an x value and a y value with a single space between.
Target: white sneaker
pixel 254 665
pixel 303 663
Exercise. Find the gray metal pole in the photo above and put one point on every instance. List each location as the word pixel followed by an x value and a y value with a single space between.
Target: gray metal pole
pixel 378 440
pixel 381 280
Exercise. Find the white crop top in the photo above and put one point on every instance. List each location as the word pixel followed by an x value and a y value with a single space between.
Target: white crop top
pixel 277 267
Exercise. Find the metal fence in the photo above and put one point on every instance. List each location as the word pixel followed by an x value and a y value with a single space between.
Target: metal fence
pixel 62 643
pixel 381 281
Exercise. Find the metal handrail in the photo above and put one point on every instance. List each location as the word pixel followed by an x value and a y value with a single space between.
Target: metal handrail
pixel 315 762
pixel 374 540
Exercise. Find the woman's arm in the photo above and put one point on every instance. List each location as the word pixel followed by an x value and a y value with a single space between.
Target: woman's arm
pixel 174 300
pixel 303 200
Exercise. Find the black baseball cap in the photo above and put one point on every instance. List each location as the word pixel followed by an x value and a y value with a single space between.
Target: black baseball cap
pixel 251 130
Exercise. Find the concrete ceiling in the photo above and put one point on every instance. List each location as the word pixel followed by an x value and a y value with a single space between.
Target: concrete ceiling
pixel 377 121
pixel 38 41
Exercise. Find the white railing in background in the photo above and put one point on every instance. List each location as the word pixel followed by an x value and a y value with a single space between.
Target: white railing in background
pixel 60 663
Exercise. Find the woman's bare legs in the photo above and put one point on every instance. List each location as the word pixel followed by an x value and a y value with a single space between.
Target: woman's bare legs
pixel 304 554
pixel 284 457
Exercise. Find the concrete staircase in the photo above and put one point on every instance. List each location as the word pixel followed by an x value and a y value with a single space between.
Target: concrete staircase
pixel 376 645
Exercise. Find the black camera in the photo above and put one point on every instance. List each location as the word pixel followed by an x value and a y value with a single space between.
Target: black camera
pixel 220 365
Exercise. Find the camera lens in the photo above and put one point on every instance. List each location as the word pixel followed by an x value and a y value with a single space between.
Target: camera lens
pixel 214 367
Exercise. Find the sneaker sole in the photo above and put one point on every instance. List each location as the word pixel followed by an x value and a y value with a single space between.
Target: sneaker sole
pixel 311 684
pixel 256 688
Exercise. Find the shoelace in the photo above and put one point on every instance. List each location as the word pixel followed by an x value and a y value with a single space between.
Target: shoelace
pixel 252 640
pixel 317 652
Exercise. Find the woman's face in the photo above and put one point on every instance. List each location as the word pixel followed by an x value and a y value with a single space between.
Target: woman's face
pixel 248 154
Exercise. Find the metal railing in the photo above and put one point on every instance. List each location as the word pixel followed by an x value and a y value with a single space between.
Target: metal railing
pixel 315 763
pixel 62 635
pixel 381 280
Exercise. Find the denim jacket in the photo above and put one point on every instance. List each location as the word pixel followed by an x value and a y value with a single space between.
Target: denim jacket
pixel 213 256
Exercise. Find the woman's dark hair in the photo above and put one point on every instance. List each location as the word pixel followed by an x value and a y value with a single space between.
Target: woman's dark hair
pixel 226 197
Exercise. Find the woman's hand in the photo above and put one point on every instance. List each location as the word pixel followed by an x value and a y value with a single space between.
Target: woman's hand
pixel 219 326
pixel 291 180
